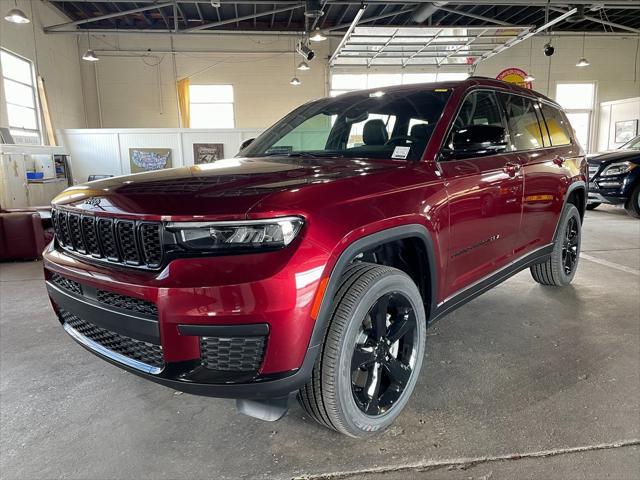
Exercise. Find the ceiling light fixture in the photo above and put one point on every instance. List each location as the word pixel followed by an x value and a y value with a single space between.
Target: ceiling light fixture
pixel 583 62
pixel 90 56
pixel 295 81
pixel 303 66
pixel 317 36
pixel 15 15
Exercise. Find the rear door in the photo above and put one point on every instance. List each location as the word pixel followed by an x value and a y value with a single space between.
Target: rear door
pixel 546 173
pixel 485 199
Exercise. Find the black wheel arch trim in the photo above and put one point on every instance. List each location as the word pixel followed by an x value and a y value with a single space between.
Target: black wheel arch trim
pixel 576 185
pixel 401 232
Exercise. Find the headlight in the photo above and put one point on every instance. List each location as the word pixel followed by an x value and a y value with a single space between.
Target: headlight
pixel 617 168
pixel 242 235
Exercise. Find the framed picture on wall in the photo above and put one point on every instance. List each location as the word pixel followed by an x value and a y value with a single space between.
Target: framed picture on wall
pixel 207 152
pixel 626 130
pixel 149 159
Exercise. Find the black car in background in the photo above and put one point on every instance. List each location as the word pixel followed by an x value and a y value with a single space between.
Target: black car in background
pixel 614 178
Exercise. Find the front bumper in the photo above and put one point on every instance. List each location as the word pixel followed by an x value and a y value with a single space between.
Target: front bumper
pixel 267 318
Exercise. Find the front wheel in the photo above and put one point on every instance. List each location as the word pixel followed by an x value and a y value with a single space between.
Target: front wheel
pixel 372 352
pixel 633 204
pixel 560 268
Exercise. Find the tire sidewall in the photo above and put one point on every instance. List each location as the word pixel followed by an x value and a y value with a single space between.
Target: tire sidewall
pixel 356 420
pixel 570 212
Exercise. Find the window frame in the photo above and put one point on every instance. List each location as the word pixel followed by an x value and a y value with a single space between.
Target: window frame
pixel 232 103
pixel 544 134
pixel 33 87
pixel 442 158
pixel 570 133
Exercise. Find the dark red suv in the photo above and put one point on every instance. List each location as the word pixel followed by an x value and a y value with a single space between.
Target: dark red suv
pixel 315 260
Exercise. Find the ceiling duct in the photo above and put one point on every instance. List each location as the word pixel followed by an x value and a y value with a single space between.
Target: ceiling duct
pixel 579 15
pixel 423 12
pixel 313 9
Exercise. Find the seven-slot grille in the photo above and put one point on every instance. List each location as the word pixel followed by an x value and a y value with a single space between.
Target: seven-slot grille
pixel 144 352
pixel 593 169
pixel 126 242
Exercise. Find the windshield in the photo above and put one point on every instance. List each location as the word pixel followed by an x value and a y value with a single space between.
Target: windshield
pixel 386 125
pixel 633 144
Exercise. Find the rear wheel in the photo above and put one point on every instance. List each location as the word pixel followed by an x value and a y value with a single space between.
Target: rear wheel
pixel 372 352
pixel 633 204
pixel 560 268
pixel 593 205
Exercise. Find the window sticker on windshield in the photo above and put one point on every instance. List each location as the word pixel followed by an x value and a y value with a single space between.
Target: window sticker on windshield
pixel 400 152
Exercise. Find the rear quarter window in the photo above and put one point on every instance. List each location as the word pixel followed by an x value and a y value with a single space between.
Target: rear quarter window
pixel 557 125
pixel 524 127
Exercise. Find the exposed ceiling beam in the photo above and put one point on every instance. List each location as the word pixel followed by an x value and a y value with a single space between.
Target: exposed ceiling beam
pixel 370 19
pixel 603 22
pixel 108 16
pixel 353 25
pixel 473 15
pixel 240 19
pixel 523 37
pixel 607 4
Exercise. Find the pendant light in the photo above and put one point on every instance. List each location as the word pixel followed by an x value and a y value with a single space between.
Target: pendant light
pixel 583 62
pixel 303 66
pixel 90 55
pixel 15 15
pixel 530 78
pixel 295 81
pixel 317 36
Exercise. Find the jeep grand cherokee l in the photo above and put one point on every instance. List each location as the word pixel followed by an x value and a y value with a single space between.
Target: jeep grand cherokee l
pixel 315 260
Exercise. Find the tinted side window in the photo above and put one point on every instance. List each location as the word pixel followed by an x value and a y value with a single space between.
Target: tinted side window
pixel 479 108
pixel 523 122
pixel 557 125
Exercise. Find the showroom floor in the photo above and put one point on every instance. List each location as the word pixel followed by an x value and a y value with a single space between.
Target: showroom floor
pixel 524 382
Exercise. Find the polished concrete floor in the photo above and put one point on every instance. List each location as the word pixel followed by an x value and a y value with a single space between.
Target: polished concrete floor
pixel 523 382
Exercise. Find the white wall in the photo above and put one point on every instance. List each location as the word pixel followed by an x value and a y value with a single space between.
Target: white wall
pixel 128 90
pixel 55 59
pixel 106 151
pixel 612 112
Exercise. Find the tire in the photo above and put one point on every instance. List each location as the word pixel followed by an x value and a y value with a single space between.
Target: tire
pixel 632 207
pixel 593 206
pixel 560 268
pixel 352 369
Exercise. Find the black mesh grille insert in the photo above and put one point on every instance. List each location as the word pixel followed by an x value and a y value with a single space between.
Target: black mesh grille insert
pixel 75 232
pixel 108 239
pixel 127 237
pixel 90 236
pixel 241 354
pixel 151 245
pixel 63 229
pixel 65 283
pixel 127 303
pixel 142 351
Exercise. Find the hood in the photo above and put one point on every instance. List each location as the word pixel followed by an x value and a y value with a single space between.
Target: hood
pixel 224 189
pixel 615 156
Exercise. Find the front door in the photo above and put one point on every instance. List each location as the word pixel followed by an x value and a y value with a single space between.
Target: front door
pixel 485 191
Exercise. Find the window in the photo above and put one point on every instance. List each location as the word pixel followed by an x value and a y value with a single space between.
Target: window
pixel 523 122
pixel 556 125
pixel 357 125
pixel 349 82
pixel 19 89
pixel 578 100
pixel 211 106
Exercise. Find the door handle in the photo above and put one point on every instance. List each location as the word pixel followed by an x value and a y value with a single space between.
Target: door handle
pixel 511 168
pixel 558 160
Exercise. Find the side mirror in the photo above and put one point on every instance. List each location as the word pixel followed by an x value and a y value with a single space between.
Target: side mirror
pixel 476 140
pixel 246 143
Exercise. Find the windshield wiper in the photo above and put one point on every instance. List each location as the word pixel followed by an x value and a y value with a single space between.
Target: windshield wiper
pixel 303 154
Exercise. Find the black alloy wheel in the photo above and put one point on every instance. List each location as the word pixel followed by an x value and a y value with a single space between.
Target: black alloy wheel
pixel 384 354
pixel 570 246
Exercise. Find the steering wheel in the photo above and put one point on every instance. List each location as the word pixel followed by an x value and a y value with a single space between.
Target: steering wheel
pixel 405 138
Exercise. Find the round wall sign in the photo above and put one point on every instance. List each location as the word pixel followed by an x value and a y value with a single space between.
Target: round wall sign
pixel 515 76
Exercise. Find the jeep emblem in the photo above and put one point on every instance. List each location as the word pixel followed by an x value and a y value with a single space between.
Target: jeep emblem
pixel 92 201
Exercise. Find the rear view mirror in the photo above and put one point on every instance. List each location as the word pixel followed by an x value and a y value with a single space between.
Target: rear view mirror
pixel 246 143
pixel 476 140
